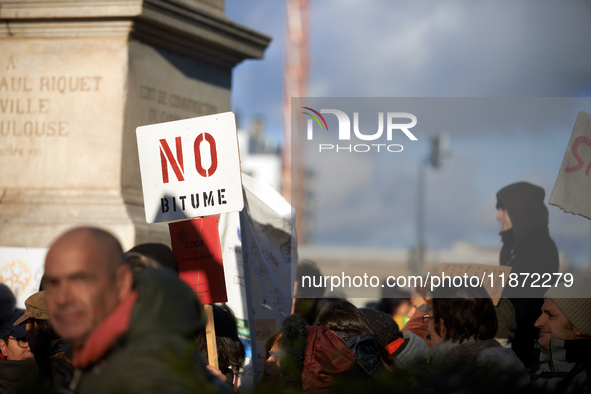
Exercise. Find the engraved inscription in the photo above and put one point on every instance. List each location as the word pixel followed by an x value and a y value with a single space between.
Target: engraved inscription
pixel 33 128
pixel 11 65
pixel 64 84
pixel 24 106
pixel 166 106
pixel 27 104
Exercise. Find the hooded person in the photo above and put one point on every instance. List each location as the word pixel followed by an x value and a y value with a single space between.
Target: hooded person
pixel 528 250
pixel 527 246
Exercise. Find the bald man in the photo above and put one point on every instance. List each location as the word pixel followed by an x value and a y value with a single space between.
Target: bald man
pixel 85 280
pixel 129 334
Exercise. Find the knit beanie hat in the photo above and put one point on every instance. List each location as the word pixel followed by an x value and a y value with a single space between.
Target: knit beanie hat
pixel 383 326
pixel 574 302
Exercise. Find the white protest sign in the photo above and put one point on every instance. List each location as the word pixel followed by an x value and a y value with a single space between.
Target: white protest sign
pixel 257 251
pixel 572 190
pixel 190 168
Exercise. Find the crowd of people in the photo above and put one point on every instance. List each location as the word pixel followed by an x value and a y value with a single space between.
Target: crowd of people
pixel 109 321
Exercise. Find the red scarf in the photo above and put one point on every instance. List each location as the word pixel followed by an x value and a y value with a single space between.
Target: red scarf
pixel 106 334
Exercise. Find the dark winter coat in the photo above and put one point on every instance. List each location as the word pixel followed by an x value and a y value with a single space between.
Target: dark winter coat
pixel 528 249
pixel 18 376
pixel 413 353
pixel 55 366
pixel 565 367
pixel 474 352
pixel 156 352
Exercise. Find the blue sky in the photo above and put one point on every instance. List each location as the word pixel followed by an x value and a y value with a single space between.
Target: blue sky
pixel 449 48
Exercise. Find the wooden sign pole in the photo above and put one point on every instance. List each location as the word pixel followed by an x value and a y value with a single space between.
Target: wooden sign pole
pixel 212 349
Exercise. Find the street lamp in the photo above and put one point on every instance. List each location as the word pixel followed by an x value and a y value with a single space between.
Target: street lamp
pixel 439 150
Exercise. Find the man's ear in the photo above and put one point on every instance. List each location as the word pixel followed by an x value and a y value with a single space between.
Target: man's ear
pixel 577 332
pixel 3 347
pixel 124 281
pixel 442 329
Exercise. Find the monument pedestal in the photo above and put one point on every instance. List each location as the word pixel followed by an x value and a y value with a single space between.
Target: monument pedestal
pixel 76 79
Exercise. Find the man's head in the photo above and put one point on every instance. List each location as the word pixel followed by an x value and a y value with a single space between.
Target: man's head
pixel 460 314
pixel 36 318
pixel 566 313
pixel 85 280
pixel 13 344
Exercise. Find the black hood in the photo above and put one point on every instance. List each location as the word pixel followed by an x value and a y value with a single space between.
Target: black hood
pixel 525 204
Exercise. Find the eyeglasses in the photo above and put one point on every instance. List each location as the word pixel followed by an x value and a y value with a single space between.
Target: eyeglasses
pixel 274 356
pixel 21 342
pixel 426 319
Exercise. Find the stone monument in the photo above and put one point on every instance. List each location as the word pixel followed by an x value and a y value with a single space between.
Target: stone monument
pixel 76 79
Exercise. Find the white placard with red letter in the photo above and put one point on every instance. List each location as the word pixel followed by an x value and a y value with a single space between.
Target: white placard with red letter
pixel 572 190
pixel 190 168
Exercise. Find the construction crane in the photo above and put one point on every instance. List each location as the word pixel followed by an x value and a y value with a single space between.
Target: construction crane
pixel 295 81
